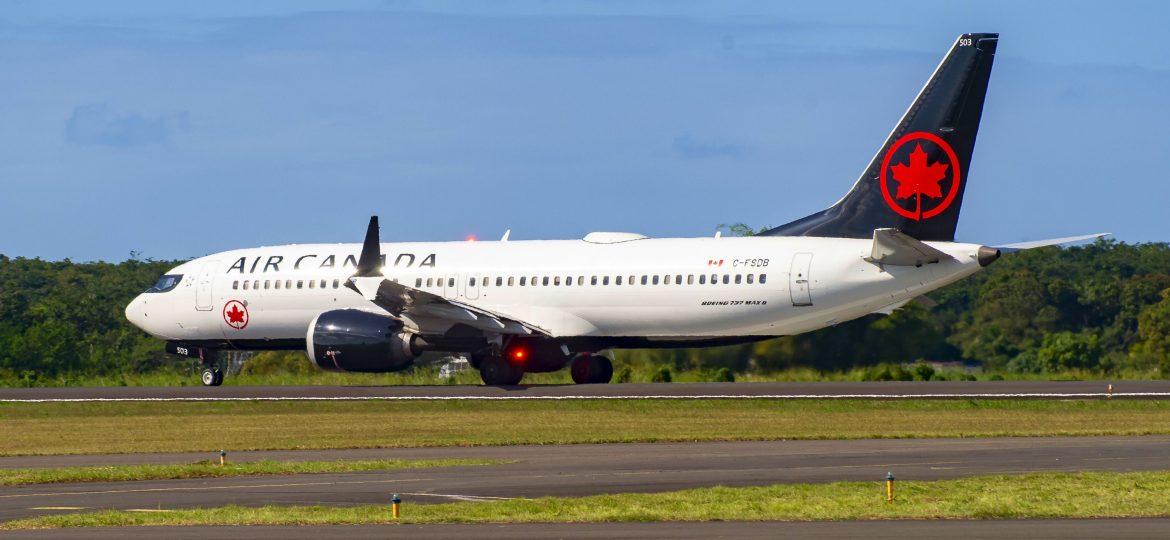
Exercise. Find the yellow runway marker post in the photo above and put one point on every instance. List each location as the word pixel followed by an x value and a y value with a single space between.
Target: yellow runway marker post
pixel 890 487
pixel 395 503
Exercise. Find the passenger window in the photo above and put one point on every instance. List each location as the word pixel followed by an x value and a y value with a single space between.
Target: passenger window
pixel 451 283
pixel 557 281
pixel 417 283
pixel 246 285
pixel 714 279
pixel 593 280
pixel 471 282
pixel 738 279
pixel 690 279
pixel 581 280
pixel 726 279
pixel 751 278
pixel 430 282
pixel 300 284
pixel 645 279
pixel 266 284
pixel 617 280
pixel 656 279
pixel 510 280
pixel 276 284
pixel 763 278
pixel 256 284
pixel 288 283
pixel 236 285
pixel 336 283
pixel 500 281
pixel 631 281
pixel 678 279
pixel 544 281
pixel 312 283
pixel 702 279
pixel 523 280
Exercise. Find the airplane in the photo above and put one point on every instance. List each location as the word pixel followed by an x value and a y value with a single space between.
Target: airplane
pixel 516 307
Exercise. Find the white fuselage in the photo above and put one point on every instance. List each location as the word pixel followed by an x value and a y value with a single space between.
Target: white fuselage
pixel 674 288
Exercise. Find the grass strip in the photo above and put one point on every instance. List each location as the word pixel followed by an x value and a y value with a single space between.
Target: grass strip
pixel 88 428
pixel 210 469
pixel 1032 496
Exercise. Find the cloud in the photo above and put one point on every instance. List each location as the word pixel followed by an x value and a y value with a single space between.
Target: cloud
pixel 687 148
pixel 96 124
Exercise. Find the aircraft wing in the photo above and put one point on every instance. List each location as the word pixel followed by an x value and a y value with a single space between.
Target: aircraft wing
pixel 423 308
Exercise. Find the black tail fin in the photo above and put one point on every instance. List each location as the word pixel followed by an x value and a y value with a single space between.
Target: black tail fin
pixel 915 182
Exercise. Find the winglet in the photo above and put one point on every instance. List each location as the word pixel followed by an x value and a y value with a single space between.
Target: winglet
pixel 371 258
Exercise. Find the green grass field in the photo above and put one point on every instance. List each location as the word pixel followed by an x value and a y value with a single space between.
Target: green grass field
pixel 1050 495
pixel 212 469
pixel 81 428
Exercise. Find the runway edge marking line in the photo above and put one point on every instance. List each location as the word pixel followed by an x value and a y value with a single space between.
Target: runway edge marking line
pixel 1100 395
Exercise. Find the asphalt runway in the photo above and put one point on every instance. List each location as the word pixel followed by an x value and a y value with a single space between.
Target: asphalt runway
pixel 579 470
pixel 768 390
pixel 1033 529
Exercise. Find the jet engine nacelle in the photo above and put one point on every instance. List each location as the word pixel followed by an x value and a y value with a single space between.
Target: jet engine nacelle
pixel 356 340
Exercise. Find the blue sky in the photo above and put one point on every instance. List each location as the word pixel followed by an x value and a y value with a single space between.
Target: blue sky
pixel 180 130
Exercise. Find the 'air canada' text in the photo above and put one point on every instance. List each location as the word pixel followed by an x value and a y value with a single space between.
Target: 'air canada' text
pixel 272 263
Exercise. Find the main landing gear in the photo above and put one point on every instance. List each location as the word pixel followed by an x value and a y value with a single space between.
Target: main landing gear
pixel 591 369
pixel 499 371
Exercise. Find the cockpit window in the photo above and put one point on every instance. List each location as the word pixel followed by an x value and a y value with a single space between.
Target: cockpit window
pixel 166 283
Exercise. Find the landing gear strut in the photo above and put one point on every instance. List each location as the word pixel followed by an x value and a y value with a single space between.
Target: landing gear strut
pixel 499 371
pixel 591 369
pixel 211 375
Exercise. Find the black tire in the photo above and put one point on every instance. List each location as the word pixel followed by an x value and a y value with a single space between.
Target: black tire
pixel 498 371
pixel 218 377
pixel 602 369
pixel 581 368
pixel 208 377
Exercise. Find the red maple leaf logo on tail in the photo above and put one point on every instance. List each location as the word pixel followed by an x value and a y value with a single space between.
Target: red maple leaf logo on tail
pixel 235 315
pixel 918 178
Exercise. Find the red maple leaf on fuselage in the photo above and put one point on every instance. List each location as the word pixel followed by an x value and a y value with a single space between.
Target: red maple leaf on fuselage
pixel 235 315
pixel 918 178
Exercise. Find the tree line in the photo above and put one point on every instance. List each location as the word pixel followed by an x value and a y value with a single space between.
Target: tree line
pixel 1103 308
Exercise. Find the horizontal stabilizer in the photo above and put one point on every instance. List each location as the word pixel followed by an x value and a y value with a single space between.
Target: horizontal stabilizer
pixel 1008 248
pixel 893 247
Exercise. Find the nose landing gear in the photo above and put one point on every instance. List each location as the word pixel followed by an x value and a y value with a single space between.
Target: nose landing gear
pixel 211 376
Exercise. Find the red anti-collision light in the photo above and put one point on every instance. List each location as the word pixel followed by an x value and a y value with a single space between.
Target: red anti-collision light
pixel 519 354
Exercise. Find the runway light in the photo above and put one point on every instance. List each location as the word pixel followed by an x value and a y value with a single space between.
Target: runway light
pixel 222 458
pixel 395 502
pixel 890 486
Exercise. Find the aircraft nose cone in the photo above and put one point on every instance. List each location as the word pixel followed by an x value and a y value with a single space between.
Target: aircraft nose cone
pixel 136 312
